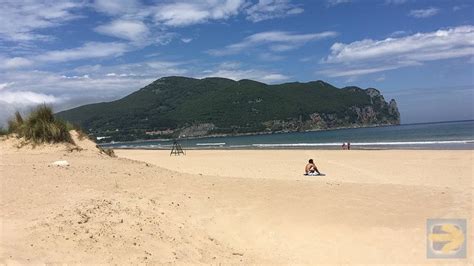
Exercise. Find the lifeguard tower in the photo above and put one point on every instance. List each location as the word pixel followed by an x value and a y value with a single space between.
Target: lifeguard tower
pixel 177 149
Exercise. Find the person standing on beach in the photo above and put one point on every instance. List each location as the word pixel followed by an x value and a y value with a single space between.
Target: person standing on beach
pixel 311 168
pixel 348 145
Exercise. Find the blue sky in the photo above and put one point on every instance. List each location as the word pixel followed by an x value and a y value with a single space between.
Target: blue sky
pixel 67 53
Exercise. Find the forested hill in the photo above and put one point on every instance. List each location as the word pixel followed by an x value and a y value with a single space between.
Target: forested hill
pixel 174 106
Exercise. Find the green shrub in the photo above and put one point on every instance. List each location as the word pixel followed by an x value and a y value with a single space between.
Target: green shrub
pixel 40 127
pixel 70 126
pixel 15 124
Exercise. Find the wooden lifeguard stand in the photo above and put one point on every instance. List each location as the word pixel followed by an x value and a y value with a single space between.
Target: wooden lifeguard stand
pixel 177 149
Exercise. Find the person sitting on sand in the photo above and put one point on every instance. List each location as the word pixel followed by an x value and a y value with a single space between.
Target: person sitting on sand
pixel 311 168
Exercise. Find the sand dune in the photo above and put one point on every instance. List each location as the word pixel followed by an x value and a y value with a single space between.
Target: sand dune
pixel 227 206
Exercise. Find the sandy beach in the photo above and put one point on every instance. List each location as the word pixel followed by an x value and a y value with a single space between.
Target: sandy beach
pixel 222 206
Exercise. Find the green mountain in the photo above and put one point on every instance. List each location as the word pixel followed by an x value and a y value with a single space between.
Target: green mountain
pixel 177 106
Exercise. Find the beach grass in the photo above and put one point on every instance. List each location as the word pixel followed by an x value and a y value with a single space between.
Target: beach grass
pixel 40 126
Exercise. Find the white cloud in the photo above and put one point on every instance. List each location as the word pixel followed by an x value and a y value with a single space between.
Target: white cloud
pixel 195 12
pixel 380 79
pixel 459 7
pixel 238 74
pixel 186 40
pixel 132 19
pixel 11 101
pixel 131 22
pixel 30 88
pixel 331 3
pixel 424 13
pixel 235 71
pixel 361 70
pixel 395 2
pixel 167 68
pixel 4 85
pixel 438 45
pixel 87 51
pixel 26 97
pixel 230 65
pixel 19 19
pixel 370 56
pixel 398 33
pixel 146 69
pixel 22 89
pixel 132 30
pixel 71 87
pixel 269 9
pixel 163 38
pixel 274 77
pixel 277 41
pixel 91 82
pixel 15 62
pixel 116 7
pixel 137 32
pixel 185 13
pixel 86 76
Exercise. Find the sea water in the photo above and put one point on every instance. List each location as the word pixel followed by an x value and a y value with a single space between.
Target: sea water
pixel 441 135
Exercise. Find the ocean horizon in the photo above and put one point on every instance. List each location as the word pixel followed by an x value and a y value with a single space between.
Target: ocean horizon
pixel 428 135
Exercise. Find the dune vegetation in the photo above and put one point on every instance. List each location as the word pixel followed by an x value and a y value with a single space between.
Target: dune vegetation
pixel 40 126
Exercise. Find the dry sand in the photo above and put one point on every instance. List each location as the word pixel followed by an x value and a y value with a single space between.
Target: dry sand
pixel 228 206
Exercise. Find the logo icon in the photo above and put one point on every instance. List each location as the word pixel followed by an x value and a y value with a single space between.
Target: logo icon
pixel 446 238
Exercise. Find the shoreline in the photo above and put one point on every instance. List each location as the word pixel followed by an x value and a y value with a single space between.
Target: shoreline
pixel 256 133
pixel 452 135
pixel 448 145
pixel 286 132
pixel 299 148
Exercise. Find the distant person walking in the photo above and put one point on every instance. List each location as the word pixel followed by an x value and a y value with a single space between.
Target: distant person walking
pixel 348 145
pixel 311 168
pixel 343 145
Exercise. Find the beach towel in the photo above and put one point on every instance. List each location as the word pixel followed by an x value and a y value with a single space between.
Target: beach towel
pixel 314 174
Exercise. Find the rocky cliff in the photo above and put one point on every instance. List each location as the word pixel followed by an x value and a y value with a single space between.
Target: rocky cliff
pixel 378 112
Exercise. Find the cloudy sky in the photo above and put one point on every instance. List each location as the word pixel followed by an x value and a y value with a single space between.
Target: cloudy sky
pixel 71 52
